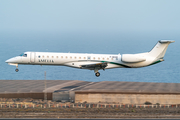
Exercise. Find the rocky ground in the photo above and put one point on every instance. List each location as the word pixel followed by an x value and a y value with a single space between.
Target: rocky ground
pixel 90 113
pixel 78 112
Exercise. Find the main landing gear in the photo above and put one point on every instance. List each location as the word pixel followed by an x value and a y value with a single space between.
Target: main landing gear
pixel 97 74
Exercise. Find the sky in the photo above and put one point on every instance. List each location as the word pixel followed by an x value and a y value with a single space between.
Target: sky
pixel 89 26
pixel 90 15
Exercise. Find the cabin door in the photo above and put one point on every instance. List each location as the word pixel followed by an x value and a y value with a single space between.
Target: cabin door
pixel 32 59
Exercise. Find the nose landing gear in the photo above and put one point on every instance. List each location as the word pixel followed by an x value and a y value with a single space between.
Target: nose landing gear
pixel 17 68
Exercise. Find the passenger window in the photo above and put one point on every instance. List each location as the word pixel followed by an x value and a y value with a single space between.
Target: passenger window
pixel 94 58
pixel 107 58
pixel 56 56
pixel 39 56
pixel 47 56
pixel 70 57
pixel 42 56
pixel 66 57
pixel 52 56
pixel 79 57
pixel 61 56
pixel 74 57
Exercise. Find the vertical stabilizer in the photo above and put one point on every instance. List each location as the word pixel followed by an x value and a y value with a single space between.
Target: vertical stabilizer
pixel 160 49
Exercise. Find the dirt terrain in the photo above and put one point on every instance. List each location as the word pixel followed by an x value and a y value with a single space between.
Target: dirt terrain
pixel 30 108
pixel 90 113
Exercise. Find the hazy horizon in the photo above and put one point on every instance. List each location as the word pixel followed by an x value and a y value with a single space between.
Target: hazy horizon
pixel 89 26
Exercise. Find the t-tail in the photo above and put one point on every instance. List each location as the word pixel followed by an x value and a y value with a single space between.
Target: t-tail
pixel 159 50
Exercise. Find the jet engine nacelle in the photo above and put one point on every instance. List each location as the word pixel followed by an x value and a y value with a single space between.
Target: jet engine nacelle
pixel 132 58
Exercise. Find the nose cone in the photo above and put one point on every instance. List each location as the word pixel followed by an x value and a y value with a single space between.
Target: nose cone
pixel 13 60
pixel 10 60
pixel 7 61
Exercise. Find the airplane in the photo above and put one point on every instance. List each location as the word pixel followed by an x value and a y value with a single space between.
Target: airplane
pixel 94 62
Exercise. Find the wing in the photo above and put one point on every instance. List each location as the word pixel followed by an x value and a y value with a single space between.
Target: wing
pixel 94 66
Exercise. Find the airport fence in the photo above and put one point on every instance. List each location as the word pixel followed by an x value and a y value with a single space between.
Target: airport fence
pixel 43 106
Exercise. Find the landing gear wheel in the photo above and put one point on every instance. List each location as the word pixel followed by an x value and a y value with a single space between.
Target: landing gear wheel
pixel 97 74
pixel 16 70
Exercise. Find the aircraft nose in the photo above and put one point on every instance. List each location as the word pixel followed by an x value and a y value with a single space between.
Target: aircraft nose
pixel 8 61
pixel 11 60
pixel 14 60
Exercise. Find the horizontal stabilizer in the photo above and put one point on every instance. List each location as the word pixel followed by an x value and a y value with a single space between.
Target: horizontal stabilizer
pixel 166 41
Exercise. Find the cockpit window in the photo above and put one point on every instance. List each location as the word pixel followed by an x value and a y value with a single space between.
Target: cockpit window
pixel 21 54
pixel 24 55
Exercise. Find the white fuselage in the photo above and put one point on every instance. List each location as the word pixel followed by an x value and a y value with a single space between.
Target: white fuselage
pixel 93 61
pixel 76 59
